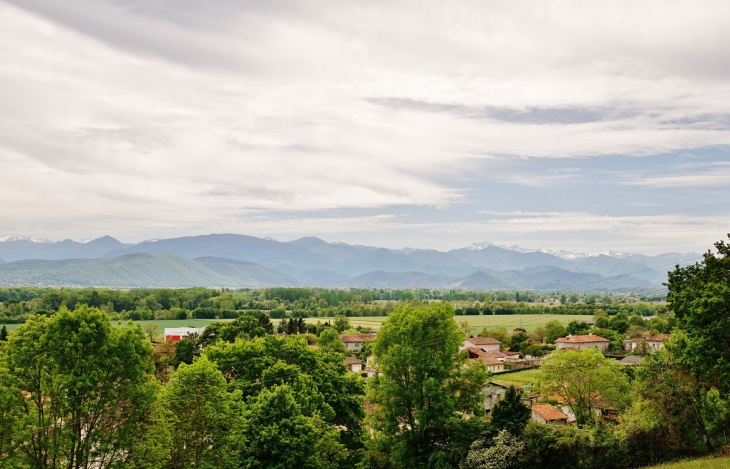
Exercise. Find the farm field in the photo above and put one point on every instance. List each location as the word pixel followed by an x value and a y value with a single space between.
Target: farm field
pixel 477 323
pixel 518 378
pixel 163 323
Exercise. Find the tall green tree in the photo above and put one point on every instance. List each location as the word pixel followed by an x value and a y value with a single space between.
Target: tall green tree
pixel 322 382
pixel 510 413
pixel 584 380
pixel 554 330
pixel 673 410
pixel 699 295
pixel 81 387
pixel 265 323
pixel 279 432
pixel 3 333
pixel 423 385
pixel 201 415
pixel 341 323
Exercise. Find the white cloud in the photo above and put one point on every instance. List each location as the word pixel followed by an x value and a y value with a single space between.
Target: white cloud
pixel 156 116
pixel 716 175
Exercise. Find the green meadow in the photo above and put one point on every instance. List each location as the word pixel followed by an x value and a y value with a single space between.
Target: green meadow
pixel 477 323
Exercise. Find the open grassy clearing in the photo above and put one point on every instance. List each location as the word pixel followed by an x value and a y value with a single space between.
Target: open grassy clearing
pixel 163 323
pixel 509 321
pixel 709 463
pixel 518 378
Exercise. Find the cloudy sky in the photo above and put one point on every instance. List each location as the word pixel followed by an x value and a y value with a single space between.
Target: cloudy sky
pixel 564 125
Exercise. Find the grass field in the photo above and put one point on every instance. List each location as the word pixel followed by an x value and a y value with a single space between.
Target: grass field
pixel 709 463
pixel 518 378
pixel 526 321
pixel 477 323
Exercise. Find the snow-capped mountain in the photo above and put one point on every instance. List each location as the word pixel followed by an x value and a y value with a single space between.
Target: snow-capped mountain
pixel 12 238
pixel 563 254
pixel 670 257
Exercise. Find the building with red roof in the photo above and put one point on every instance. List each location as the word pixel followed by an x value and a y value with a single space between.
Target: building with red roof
pixel 582 342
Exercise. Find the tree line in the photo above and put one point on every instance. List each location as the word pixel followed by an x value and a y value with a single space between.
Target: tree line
pixel 17 304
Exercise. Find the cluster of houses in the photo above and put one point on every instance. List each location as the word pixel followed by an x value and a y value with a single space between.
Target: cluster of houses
pixel 488 350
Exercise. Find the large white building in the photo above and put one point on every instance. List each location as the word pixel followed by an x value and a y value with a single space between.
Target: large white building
pixel 173 334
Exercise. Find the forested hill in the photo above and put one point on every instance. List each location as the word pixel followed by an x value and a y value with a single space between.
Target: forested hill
pixel 229 260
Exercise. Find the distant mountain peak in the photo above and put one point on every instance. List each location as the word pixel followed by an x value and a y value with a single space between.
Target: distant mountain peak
pixel 269 238
pixel 563 254
pixel 153 240
pixel 478 246
pixel 4 239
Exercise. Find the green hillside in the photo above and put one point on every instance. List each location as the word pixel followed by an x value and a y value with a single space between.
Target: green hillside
pixel 133 270
pixel 141 270
pixel 246 273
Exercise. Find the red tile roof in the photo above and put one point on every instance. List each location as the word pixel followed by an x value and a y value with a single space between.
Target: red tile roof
pixel 484 341
pixel 548 412
pixel 352 361
pixel 357 338
pixel 582 339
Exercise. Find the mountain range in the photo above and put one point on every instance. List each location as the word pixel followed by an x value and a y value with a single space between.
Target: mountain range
pixel 236 261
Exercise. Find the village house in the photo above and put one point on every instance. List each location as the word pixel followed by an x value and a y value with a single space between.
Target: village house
pixel 493 365
pixel 353 364
pixel 582 342
pixel 354 342
pixel 655 342
pixel 174 334
pixel 485 343
pixel 548 415
pixel 495 392
pixel 371 368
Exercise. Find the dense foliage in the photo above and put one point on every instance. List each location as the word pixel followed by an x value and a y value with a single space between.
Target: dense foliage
pixel 76 392
pixel 17 304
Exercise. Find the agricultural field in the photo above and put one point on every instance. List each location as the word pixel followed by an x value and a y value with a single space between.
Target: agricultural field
pixel 477 323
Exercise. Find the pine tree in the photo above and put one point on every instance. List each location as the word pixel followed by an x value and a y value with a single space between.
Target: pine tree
pixel 510 413
pixel 291 327
pixel 3 334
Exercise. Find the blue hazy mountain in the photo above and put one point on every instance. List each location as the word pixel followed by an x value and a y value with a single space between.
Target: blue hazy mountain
pixel 233 260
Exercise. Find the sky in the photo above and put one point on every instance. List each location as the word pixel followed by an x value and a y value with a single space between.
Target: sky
pixel 576 125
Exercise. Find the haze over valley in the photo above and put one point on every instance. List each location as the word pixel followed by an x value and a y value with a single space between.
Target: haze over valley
pixel 236 261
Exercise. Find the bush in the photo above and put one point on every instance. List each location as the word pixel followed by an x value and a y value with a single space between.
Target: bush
pixel 277 314
pixel 228 314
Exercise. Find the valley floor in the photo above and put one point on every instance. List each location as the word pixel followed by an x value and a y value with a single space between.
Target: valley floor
pixel 477 323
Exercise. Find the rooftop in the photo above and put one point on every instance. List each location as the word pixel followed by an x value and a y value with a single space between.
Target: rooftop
pixel 548 412
pixel 483 341
pixel 356 338
pixel 582 339
pixel 352 361
pixel 489 361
